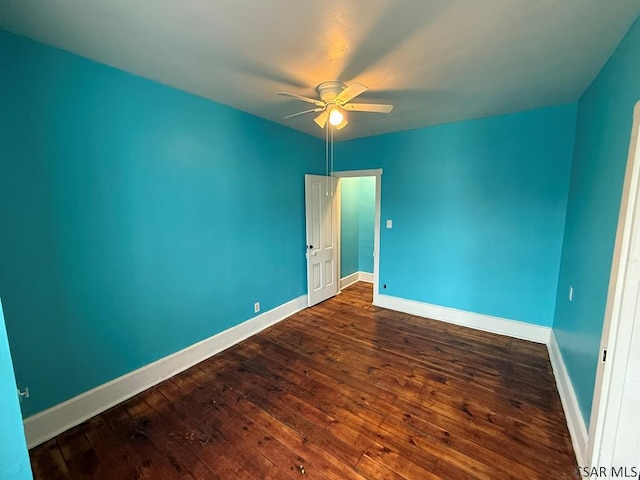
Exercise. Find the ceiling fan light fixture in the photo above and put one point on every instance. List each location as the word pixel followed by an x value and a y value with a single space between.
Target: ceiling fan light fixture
pixel 335 117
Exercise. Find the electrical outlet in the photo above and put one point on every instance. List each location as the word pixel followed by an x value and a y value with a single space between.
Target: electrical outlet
pixel 256 307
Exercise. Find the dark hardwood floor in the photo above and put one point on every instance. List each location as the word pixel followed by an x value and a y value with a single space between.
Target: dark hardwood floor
pixel 343 390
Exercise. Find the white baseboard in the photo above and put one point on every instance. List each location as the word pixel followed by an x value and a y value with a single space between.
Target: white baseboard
pixel 348 280
pixel 47 424
pixel 365 277
pixel 356 277
pixel 51 422
pixel 487 323
pixel 575 422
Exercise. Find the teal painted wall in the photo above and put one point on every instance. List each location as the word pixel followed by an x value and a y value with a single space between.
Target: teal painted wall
pixel 357 214
pixel 137 219
pixel 478 210
pixel 14 458
pixel 349 225
pixel 605 117
pixel 366 219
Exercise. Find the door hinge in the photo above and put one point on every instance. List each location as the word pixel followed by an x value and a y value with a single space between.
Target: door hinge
pixel 23 394
pixel 604 355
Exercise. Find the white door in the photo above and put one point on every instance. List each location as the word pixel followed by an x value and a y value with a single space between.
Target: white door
pixel 614 438
pixel 322 266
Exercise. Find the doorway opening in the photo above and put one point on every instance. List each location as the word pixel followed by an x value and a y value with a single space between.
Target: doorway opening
pixel 358 210
pixel 323 219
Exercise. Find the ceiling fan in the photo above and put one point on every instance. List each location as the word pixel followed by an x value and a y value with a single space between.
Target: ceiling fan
pixel 334 97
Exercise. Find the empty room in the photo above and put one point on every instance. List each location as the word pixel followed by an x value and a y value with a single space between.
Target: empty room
pixel 333 240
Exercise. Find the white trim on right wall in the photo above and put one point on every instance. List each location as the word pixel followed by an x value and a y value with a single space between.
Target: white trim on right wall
pixel 572 413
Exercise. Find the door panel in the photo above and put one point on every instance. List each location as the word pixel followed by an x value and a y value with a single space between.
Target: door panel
pixel 321 238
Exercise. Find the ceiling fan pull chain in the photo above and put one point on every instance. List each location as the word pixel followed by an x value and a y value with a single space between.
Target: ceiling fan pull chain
pixel 331 170
pixel 326 157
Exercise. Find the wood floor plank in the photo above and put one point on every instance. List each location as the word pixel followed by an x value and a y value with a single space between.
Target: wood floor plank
pixel 225 444
pixel 350 420
pixel 116 459
pixel 186 433
pixel 174 446
pixel 47 462
pixel 436 375
pixel 136 434
pixel 299 436
pixel 80 457
pixel 415 343
pixel 305 388
pixel 343 390
pixel 452 364
pixel 255 446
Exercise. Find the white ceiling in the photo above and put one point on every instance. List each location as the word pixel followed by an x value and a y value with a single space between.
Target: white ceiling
pixel 437 61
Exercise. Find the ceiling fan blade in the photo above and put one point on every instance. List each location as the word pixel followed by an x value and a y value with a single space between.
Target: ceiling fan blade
pixel 319 109
pixel 319 103
pixel 368 107
pixel 349 93
pixel 322 119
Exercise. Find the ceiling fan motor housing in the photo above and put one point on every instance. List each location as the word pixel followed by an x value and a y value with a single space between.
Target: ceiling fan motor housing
pixel 330 90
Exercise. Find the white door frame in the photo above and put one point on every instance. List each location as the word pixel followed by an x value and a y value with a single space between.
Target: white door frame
pixel 377 173
pixel 611 440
